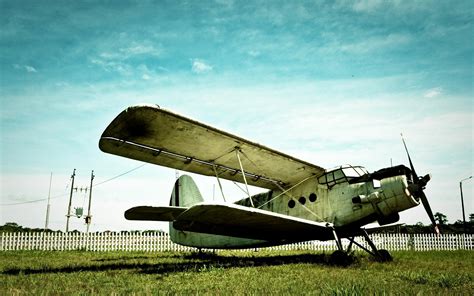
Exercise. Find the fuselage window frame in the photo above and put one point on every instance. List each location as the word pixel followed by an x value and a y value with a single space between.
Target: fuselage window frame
pixel 339 175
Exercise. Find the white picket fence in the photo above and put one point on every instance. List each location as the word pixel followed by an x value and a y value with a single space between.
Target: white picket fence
pixel 160 242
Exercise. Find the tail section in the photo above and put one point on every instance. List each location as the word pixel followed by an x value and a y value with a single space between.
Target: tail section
pixel 185 193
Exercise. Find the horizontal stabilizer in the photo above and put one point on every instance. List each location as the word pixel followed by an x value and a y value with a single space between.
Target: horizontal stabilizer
pixel 147 213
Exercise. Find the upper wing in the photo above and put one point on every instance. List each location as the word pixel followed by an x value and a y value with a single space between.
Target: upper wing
pixel 151 134
pixel 238 221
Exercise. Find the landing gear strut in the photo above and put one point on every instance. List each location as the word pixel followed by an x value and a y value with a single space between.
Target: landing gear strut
pixel 338 257
pixel 341 257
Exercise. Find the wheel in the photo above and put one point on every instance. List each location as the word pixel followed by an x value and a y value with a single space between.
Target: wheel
pixel 385 256
pixel 341 258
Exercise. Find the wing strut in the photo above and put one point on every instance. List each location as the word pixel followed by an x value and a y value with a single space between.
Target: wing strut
pixel 219 181
pixel 237 151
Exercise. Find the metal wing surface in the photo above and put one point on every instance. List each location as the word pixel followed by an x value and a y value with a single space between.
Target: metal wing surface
pixel 151 134
pixel 245 222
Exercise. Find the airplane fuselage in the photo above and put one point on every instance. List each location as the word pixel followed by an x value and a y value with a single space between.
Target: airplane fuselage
pixel 345 201
pixel 348 202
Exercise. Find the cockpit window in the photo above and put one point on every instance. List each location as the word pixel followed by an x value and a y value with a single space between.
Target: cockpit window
pixel 361 170
pixel 341 174
pixel 351 172
pixel 338 174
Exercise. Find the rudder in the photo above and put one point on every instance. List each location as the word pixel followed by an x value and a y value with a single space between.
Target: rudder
pixel 185 193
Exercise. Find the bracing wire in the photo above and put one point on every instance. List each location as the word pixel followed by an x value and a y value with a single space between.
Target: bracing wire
pixel 127 172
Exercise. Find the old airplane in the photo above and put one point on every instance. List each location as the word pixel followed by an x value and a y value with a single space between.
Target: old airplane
pixel 303 202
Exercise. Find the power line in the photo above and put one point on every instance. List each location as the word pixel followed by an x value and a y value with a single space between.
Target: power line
pixel 64 194
pixel 138 167
pixel 33 201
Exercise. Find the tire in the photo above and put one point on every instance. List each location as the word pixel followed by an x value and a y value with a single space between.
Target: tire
pixel 341 258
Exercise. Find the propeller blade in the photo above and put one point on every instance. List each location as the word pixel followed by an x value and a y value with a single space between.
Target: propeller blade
pixel 427 207
pixel 418 186
pixel 415 176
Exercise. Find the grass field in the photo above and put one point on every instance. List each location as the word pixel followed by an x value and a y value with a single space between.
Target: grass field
pixel 230 273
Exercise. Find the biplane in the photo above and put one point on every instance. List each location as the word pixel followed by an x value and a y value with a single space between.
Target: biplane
pixel 302 201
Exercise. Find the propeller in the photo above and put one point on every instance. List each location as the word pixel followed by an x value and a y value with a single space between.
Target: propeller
pixel 417 188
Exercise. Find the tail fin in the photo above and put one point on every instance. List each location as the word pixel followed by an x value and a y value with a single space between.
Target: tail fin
pixel 185 193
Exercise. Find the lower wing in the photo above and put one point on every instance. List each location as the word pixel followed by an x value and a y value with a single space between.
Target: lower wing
pixel 239 221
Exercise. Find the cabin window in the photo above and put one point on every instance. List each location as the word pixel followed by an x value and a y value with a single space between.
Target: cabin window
pixel 338 175
pixel 302 200
pixel 291 204
pixel 330 177
pixel 312 197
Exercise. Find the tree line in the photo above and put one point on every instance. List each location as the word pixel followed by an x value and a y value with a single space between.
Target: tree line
pixel 14 227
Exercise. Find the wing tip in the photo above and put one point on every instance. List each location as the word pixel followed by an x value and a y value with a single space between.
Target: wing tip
pixel 143 105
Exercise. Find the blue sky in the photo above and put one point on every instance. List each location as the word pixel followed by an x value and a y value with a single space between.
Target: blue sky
pixel 328 82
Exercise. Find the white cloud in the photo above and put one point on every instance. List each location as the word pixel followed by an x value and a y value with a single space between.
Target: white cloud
pixel 27 68
pixel 200 66
pixel 138 49
pixel 113 66
pixel 30 69
pixel 146 77
pixel 135 49
pixel 434 92
pixel 372 44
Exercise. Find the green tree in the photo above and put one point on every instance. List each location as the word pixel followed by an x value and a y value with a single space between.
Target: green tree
pixel 11 227
pixel 441 218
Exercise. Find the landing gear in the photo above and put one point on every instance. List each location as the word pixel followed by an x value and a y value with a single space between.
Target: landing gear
pixel 341 258
pixel 384 256
pixel 381 255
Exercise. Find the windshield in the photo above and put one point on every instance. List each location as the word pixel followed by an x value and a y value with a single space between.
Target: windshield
pixel 341 174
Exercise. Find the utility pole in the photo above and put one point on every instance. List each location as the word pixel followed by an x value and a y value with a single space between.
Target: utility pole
pixel 47 208
pixel 70 200
pixel 462 204
pixel 89 216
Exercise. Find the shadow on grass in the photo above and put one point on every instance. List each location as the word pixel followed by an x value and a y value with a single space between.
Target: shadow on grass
pixel 193 263
pixel 125 258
